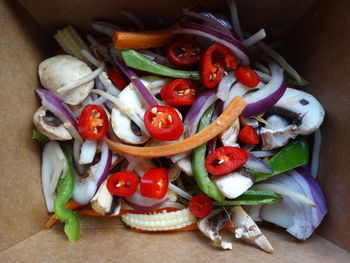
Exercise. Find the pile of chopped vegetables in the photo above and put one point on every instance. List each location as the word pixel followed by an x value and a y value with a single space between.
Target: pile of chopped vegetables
pixel 191 127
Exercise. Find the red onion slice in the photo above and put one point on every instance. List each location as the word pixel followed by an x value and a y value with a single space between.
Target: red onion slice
pixel 147 96
pixel 196 111
pixel 217 22
pixel 299 219
pixel 235 19
pixel 103 166
pixel 225 85
pixel 256 164
pixel 144 204
pixel 53 103
pixel 264 98
pixel 199 30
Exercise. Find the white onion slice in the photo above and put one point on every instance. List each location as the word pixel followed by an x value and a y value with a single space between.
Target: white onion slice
pixel 56 176
pixel 225 85
pixel 253 39
pixel 179 191
pixel 88 151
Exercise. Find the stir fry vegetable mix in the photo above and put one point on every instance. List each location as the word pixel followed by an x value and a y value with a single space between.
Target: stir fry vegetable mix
pixel 208 122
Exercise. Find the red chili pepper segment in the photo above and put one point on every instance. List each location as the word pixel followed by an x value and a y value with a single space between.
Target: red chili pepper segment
pixel 213 62
pixel 200 205
pixel 122 183
pixel 247 77
pixel 248 135
pixel 163 123
pixel 154 183
pixel 224 160
pixel 93 122
pixel 117 78
pixel 179 92
pixel 184 52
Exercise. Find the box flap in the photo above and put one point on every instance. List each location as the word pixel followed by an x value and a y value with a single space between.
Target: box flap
pixel 122 245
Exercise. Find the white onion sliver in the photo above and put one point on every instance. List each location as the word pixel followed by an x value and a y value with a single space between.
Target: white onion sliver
pixel 263 76
pixel 76 156
pixel 262 154
pixel 83 80
pixel 108 84
pixel 56 176
pixel 280 60
pixel 83 192
pixel 237 89
pixel 280 189
pixel 88 151
pixel 316 153
pixel 225 85
pixel 253 39
pixel 179 191
pixel 234 18
pixel 91 58
pixel 179 156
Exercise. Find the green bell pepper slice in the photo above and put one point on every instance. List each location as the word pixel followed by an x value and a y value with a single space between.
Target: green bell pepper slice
pixel 252 197
pixel 134 59
pixel 64 192
pixel 294 154
pixel 198 160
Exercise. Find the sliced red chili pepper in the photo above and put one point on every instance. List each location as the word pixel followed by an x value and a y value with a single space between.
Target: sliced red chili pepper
pixel 248 135
pixel 225 159
pixel 154 183
pixel 247 77
pixel 179 92
pixel 184 52
pixel 200 205
pixel 163 123
pixel 117 78
pixel 214 60
pixel 122 183
pixel 93 122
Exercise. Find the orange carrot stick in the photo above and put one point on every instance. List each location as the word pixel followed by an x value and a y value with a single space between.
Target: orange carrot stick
pixel 142 39
pixel 219 125
pixel 71 205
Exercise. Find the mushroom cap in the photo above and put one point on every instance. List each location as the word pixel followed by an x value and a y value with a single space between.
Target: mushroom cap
pixel 59 133
pixel 58 71
pixel 122 124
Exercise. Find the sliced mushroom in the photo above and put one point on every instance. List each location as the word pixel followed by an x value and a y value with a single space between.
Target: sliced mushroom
pixel 103 202
pixel 234 184
pixel 247 229
pixel 58 71
pixel 50 125
pixel 122 125
pixel 185 165
pixel 230 135
pixel 296 113
pixel 212 224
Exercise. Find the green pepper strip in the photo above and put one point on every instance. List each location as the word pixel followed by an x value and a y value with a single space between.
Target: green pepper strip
pixel 198 160
pixel 294 154
pixel 135 60
pixel 64 192
pixel 252 197
pixel 41 138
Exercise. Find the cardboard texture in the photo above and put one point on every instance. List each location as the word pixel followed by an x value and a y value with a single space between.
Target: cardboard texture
pixel 317 46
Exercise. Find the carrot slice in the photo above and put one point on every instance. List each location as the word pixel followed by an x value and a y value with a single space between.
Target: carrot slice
pixel 142 39
pixel 71 205
pixel 215 128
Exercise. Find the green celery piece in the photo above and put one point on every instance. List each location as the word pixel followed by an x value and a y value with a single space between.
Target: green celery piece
pixel 198 160
pixel 252 197
pixel 41 138
pixel 134 59
pixel 294 154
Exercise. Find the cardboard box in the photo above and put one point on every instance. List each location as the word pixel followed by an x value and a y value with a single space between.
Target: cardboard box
pixel 317 45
